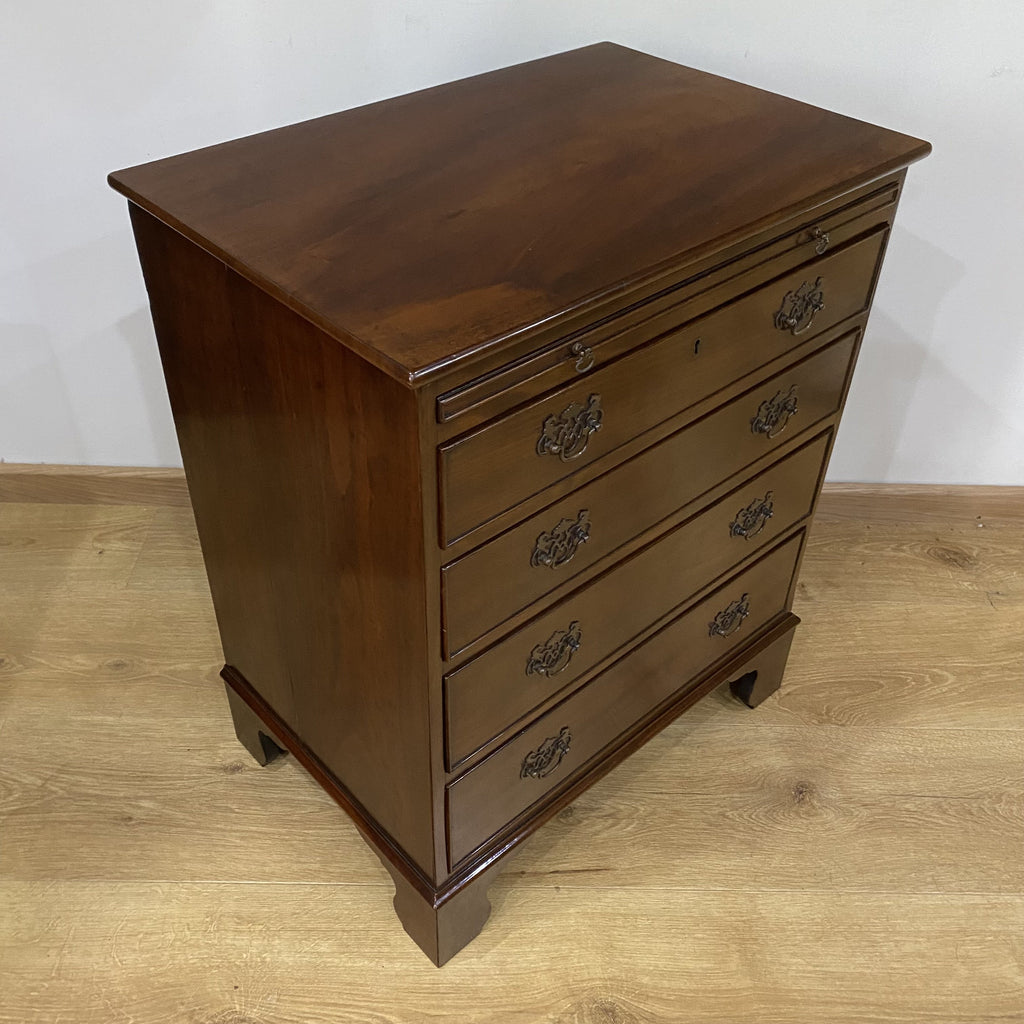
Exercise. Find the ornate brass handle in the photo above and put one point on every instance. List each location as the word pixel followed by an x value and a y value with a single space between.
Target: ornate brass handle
pixel 750 521
pixel 553 656
pixel 583 354
pixel 773 413
pixel 796 314
pixel 557 546
pixel 547 757
pixel 728 620
pixel 820 239
pixel 567 433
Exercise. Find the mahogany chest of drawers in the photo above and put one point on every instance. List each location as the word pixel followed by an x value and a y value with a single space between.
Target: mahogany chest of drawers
pixel 504 407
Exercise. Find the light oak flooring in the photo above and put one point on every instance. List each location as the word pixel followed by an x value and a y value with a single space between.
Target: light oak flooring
pixel 852 851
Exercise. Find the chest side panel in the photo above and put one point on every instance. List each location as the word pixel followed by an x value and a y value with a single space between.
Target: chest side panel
pixel 303 467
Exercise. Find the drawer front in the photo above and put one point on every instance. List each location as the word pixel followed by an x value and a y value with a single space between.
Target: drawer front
pixel 483 588
pixel 496 689
pixel 534 763
pixel 665 307
pixel 499 466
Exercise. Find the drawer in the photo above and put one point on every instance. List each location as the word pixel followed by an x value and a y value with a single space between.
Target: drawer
pixel 536 762
pixel 500 465
pixel 490 693
pixel 667 304
pixel 549 548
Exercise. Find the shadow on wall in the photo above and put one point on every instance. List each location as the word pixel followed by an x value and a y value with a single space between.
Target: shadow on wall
pixel 79 382
pixel 916 277
pixel 36 412
pixel 889 369
pixel 140 340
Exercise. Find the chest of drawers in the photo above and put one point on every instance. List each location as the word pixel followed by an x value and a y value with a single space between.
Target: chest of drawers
pixel 504 407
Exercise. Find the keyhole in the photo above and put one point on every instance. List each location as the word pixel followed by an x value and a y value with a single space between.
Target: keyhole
pixel 696 347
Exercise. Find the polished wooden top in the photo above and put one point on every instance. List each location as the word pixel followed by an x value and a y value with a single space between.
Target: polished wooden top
pixel 423 229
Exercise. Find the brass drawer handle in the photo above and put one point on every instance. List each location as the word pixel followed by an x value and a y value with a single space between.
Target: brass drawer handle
pixel 547 757
pixel 750 521
pixel 773 413
pixel 583 354
pixel 567 433
pixel 553 656
pixel 728 620
pixel 558 546
pixel 796 314
pixel 820 239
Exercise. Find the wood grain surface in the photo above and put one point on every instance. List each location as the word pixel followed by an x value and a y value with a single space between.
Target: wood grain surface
pixel 850 852
pixel 304 466
pixel 498 202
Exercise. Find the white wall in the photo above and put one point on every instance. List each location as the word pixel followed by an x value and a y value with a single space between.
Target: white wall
pixel 86 88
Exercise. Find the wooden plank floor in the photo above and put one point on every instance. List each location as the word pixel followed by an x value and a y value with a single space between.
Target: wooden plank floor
pixel 850 852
